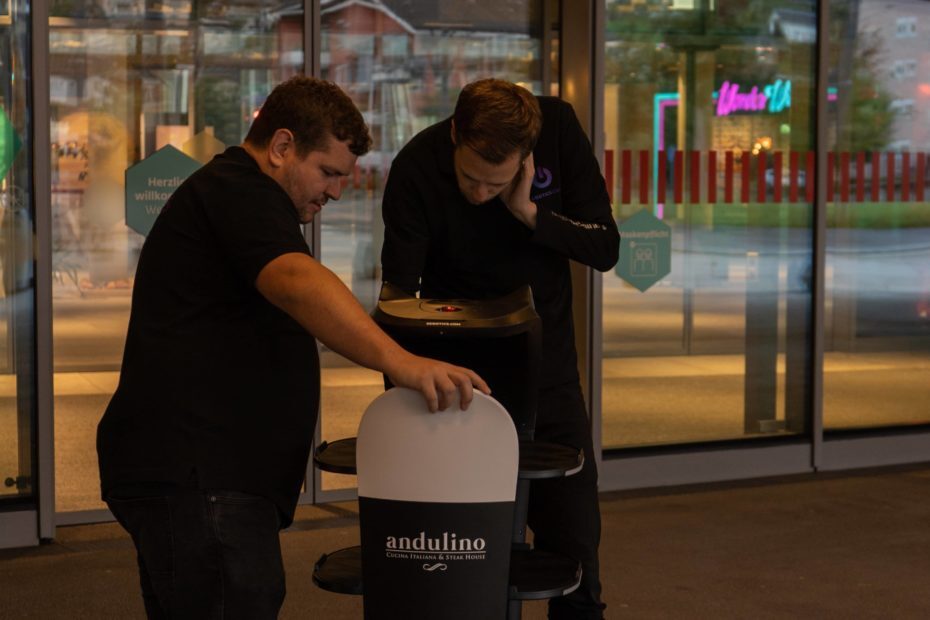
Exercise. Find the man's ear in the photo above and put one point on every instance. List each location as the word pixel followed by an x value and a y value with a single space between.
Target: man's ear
pixel 278 146
pixel 452 133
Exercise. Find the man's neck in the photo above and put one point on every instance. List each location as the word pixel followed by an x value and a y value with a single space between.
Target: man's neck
pixel 259 155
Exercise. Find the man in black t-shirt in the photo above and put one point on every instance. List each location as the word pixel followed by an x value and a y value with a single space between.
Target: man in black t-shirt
pixel 501 195
pixel 204 445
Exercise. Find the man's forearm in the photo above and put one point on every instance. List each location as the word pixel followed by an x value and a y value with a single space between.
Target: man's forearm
pixel 321 303
pixel 595 243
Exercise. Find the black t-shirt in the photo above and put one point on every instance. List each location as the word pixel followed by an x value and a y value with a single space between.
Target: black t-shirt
pixel 440 244
pixel 218 387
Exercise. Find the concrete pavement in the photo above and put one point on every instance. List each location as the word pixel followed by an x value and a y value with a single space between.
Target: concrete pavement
pixel 851 545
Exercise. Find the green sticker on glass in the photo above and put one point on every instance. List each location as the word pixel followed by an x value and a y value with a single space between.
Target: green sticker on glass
pixel 10 144
pixel 151 182
pixel 645 250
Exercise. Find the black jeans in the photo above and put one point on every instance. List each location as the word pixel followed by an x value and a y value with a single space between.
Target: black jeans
pixel 205 554
pixel 564 513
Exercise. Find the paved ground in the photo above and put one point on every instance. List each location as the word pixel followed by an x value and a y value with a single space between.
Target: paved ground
pixel 821 546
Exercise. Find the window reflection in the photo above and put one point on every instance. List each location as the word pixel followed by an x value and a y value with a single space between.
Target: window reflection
pixel 878 258
pixel 17 267
pixel 404 64
pixel 128 78
pixel 708 128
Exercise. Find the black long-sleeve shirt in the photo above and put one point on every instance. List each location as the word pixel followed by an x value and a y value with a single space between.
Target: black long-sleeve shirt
pixel 440 244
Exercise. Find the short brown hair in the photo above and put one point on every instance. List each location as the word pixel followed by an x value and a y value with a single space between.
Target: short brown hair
pixel 495 118
pixel 312 109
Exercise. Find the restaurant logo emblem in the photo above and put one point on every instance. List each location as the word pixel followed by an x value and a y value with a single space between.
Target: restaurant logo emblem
pixel 436 551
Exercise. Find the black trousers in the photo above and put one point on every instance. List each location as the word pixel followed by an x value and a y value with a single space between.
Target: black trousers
pixel 564 513
pixel 205 554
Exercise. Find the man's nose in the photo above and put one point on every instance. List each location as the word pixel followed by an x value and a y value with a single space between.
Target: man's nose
pixel 334 189
pixel 482 193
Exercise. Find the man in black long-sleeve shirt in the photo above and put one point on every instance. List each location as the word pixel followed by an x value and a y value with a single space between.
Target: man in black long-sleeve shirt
pixel 502 195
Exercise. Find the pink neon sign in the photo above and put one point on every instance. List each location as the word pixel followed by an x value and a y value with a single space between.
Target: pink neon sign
pixel 774 97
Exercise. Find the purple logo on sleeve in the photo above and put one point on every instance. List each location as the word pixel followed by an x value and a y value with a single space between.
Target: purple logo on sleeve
pixel 542 178
pixel 542 184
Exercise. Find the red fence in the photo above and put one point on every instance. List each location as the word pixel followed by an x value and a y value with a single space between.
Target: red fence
pixel 776 177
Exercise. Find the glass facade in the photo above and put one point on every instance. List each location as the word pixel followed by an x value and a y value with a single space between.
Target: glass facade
pixel 741 204
pixel 877 330
pixel 17 297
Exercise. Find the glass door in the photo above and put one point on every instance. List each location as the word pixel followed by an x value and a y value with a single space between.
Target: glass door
pixel 18 472
pixel 130 80
pixel 709 158
pixel 404 64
